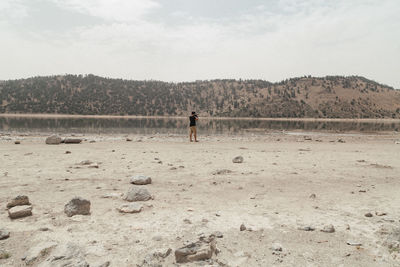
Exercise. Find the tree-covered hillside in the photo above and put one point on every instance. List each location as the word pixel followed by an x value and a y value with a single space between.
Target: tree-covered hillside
pixel 328 97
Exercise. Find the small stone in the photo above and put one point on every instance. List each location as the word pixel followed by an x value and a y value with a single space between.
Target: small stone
pixel 77 206
pixel 4 234
pixel 328 229
pixel 368 214
pixel 136 193
pixel 130 208
pixel 112 195
pixel 106 264
pixel 85 162
pixel 276 247
pixel 44 229
pixel 53 140
pixel 4 254
pixel 313 196
pixel 17 142
pixel 221 172
pixel 187 221
pixel 306 228
pixel 379 213
pixel 18 201
pixel 238 159
pixel 67 152
pixel 218 234
pixel 198 251
pixel 128 139
pixel 140 180
pixel 20 211
pixel 350 243
pixel 72 141
pixel 341 140
pixel 242 227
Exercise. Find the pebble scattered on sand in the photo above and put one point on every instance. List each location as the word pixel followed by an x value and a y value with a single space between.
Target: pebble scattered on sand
pixel 238 159
pixel 328 229
pixel 4 234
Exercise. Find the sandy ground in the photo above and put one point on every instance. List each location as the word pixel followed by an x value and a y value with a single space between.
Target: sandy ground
pixel 269 193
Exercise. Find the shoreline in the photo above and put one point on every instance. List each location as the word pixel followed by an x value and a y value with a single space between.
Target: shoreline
pixel 73 116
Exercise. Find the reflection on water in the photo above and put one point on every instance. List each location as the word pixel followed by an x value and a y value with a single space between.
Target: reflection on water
pixel 180 126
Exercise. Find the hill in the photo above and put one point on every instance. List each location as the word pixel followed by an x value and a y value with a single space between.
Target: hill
pixel 327 97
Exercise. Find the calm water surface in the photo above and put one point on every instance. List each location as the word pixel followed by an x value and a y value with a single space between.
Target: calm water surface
pixel 180 126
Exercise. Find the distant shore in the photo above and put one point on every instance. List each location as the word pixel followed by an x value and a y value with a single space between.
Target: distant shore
pixel 73 116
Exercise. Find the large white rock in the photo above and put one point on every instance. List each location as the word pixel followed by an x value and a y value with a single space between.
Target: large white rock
pixel 53 140
pixel 140 180
pixel 18 201
pixel 77 206
pixel 136 193
pixel 130 208
pixel 20 211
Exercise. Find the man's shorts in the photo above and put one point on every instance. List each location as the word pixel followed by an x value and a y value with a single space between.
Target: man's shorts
pixel 192 129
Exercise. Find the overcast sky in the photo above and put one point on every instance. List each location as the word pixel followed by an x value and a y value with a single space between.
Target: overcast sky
pixel 185 40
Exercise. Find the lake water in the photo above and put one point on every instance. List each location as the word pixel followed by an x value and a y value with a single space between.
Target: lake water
pixel 179 126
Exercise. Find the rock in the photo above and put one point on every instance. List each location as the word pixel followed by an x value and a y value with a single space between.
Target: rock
pixel 17 142
pixel 156 257
pixel 368 214
pixel 67 152
pixel 187 221
pixel 38 251
pixel 130 208
pixel 85 162
pixel 69 255
pixel 4 234
pixel 198 251
pixel 350 243
pixel 306 228
pixel 53 140
pixel 72 140
pixel 313 196
pixel 238 159
pixel 217 234
pixel 106 264
pixel 77 206
pixel 328 229
pixel 20 211
pixel 140 180
pixel 276 247
pixel 18 201
pixel 379 213
pixel 112 195
pixel 128 139
pixel 242 227
pixel 4 254
pixel 341 140
pixel 222 171
pixel 136 193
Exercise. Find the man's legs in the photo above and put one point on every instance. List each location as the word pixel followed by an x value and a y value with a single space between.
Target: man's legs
pixel 190 134
pixel 195 133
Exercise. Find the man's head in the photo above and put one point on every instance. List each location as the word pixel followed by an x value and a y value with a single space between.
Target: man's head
pixel 193 112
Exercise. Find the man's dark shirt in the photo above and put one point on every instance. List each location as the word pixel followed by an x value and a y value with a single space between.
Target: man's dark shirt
pixel 192 120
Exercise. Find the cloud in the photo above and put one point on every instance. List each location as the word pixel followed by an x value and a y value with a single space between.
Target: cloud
pixel 113 10
pixel 148 39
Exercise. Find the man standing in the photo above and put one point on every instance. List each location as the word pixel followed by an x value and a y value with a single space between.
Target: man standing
pixel 192 126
